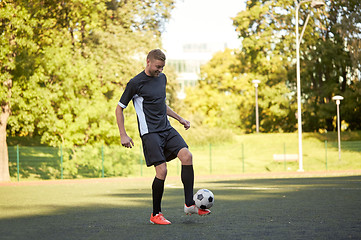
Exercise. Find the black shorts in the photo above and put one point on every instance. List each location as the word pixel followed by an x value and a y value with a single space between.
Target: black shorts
pixel 162 147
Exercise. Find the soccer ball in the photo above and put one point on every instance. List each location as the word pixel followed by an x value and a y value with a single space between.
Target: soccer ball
pixel 204 199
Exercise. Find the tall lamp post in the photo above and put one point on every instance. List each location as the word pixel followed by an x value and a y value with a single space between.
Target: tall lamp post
pixel 338 99
pixel 256 82
pixel 314 4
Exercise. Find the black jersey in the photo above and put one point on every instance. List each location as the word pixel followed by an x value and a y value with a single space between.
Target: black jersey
pixel 148 95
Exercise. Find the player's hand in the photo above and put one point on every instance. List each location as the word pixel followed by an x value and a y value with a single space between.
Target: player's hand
pixel 127 141
pixel 185 123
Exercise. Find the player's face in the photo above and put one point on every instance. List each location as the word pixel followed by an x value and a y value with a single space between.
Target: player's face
pixel 154 67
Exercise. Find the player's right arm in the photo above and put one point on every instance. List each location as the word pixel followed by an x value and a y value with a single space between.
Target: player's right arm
pixel 125 139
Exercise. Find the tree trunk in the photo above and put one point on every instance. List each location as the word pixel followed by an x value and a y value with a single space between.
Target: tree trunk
pixel 4 156
pixel 4 116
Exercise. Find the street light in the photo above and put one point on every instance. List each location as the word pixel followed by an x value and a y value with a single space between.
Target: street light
pixel 256 82
pixel 314 4
pixel 338 99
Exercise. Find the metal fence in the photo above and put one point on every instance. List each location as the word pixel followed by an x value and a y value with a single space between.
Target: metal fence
pixel 28 162
pixel 108 161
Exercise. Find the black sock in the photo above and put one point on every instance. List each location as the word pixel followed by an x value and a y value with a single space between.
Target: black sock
pixel 157 194
pixel 187 176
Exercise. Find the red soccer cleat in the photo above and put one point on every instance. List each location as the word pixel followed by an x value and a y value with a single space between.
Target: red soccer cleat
pixel 159 219
pixel 195 210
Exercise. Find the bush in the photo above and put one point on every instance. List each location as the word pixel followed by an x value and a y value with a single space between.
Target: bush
pixel 203 135
pixel 87 161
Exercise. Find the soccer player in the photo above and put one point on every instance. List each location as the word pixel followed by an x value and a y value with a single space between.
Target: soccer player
pixel 161 142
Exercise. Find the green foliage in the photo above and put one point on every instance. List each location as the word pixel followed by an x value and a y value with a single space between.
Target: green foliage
pixel 215 101
pixel 86 161
pixel 64 65
pixel 72 61
pixel 277 109
pixel 225 98
pixel 203 135
pixel 43 162
pixel 330 65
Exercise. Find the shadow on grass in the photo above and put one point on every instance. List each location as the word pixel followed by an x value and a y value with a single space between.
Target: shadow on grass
pixel 333 136
pixel 310 208
pixel 352 146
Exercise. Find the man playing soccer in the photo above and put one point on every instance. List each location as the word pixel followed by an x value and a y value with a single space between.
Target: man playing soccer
pixel 161 142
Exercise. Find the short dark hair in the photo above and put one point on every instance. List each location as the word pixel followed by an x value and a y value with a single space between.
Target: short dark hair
pixel 156 54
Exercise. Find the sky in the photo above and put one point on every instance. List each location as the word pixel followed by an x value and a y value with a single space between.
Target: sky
pixel 201 21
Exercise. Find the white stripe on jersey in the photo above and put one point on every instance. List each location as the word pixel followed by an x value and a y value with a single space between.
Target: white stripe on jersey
pixel 122 105
pixel 138 105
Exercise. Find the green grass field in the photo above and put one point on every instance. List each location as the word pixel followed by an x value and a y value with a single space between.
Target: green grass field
pixel 245 208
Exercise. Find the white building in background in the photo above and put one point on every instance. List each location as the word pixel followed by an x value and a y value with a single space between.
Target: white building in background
pixel 188 59
pixel 193 34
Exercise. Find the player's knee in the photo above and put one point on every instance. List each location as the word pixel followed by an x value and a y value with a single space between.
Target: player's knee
pixel 161 171
pixel 185 156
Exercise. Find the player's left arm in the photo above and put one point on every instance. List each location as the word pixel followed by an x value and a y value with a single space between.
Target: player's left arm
pixel 181 120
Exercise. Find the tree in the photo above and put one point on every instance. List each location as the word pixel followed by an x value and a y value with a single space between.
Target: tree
pixel 329 56
pixel 330 63
pixel 263 56
pixel 64 64
pixel 215 100
pixel 16 56
pixel 331 66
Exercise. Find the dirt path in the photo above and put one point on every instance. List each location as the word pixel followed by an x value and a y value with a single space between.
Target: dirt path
pixel 202 177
